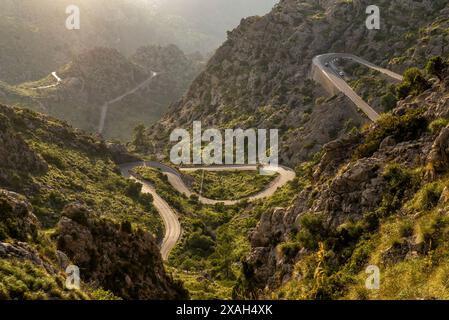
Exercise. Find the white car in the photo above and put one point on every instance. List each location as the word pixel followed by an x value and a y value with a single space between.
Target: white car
pixel 342 74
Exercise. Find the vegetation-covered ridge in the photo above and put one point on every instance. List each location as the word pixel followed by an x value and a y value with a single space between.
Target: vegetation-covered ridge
pixel 62 199
pixel 104 78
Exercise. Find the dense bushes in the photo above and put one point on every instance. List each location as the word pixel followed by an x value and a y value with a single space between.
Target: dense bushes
pixel 415 81
pixel 438 124
pixel 388 101
pixel 24 280
pixel 200 244
pixel 402 128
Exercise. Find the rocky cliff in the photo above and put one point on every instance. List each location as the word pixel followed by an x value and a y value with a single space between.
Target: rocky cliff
pixel 260 76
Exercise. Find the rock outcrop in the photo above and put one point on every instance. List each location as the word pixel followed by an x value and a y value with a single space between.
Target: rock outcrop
pixel 124 261
pixel 16 217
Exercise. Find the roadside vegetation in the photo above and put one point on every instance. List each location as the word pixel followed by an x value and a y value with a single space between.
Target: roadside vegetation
pixel 208 258
pixel 375 89
pixel 52 166
pixel 229 185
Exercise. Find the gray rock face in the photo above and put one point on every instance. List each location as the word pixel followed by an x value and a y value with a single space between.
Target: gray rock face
pixel 439 154
pixel 126 262
pixel 24 251
pixel 272 228
pixel 18 225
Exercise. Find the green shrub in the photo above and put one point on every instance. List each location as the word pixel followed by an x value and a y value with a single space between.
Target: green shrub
pixel 427 197
pixel 289 249
pixel 406 229
pixel 432 232
pixel 133 189
pixel 200 244
pixel 388 101
pixel 312 230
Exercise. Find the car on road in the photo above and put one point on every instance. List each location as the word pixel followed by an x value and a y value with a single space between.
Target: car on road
pixel 341 73
pixel 327 64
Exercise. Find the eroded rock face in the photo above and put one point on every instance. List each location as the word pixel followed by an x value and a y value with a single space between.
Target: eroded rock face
pixel 272 228
pixel 24 251
pixel 334 153
pixel 121 260
pixel 356 191
pixel 19 226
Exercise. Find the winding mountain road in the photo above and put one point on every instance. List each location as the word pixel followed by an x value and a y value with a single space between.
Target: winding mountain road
pixel 169 216
pixel 322 65
pixel 105 107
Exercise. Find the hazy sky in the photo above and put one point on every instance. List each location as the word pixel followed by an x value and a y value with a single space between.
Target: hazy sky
pixel 216 16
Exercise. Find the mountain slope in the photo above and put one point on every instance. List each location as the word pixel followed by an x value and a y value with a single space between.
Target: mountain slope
pixel 372 196
pixel 260 76
pixel 63 201
pixel 102 76
pixel 35 39
pixel 386 207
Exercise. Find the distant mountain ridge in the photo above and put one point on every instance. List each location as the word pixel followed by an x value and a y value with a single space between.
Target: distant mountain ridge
pixel 35 39
pixel 100 75
pixel 260 76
